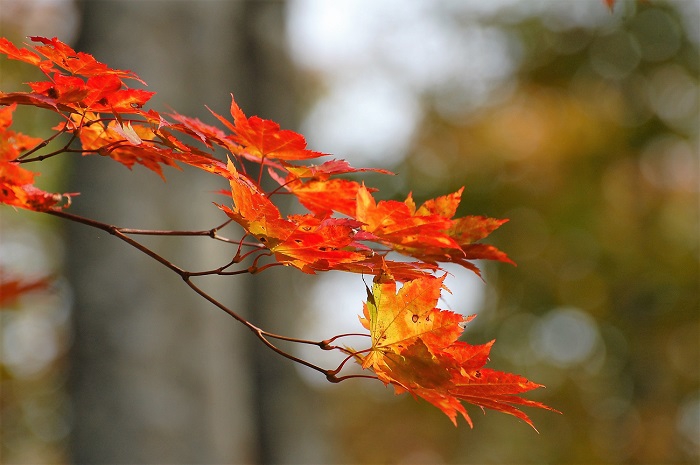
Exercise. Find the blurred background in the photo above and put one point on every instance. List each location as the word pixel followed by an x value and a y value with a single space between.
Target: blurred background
pixel 577 123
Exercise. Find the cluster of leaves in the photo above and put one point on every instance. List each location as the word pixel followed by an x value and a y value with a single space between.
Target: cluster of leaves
pixel 414 344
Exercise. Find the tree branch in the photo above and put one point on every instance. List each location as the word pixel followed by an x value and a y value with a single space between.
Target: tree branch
pixel 262 335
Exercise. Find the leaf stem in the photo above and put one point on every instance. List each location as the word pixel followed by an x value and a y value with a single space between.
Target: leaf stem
pixel 24 158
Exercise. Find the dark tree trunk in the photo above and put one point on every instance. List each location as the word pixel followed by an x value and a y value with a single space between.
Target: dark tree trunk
pixel 160 375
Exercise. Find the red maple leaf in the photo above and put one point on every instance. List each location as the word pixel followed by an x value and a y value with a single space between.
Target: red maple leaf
pixel 17 183
pixel 97 94
pixel 430 232
pixel 88 85
pixel 398 224
pixel 261 139
pixel 306 242
pixel 77 63
pixel 201 131
pixel 28 196
pixel 323 196
pixel 12 144
pixel 62 88
pixel 33 99
pixel 327 169
pixel 378 264
pixel 22 54
pixel 189 155
pixel 415 348
pixel 315 189
pixel 126 143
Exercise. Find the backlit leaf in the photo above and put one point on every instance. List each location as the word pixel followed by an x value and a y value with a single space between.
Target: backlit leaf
pixel 415 348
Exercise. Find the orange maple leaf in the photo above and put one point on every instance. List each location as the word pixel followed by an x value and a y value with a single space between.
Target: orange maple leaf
pixel 395 321
pixel 466 231
pixel 261 139
pixel 306 242
pixel 12 144
pixel 327 169
pixel 78 63
pixel 430 233
pixel 377 264
pixel 315 189
pixel 126 143
pixel 17 183
pixel 26 196
pixel 399 225
pixel 323 197
pixel 320 194
pixel 201 131
pixel 415 348
pixel 97 94
pixel 22 54
pixel 89 85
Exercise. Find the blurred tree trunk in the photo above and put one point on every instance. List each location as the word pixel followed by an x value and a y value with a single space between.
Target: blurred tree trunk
pixel 289 416
pixel 160 375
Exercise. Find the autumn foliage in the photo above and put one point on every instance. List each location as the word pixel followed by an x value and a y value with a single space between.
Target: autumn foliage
pixel 415 346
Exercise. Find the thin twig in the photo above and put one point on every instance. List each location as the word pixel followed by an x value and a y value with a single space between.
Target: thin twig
pixel 122 233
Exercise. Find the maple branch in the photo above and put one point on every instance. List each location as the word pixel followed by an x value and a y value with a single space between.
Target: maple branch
pixel 345 360
pixel 338 379
pixel 321 344
pixel 66 149
pixel 328 341
pixel 212 233
pixel 219 271
pixel 23 158
pixel 164 232
pixel 261 334
pixel 251 252
pixel 115 231
pixel 255 269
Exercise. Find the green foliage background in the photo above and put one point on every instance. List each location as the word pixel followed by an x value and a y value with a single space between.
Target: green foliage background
pixel 591 150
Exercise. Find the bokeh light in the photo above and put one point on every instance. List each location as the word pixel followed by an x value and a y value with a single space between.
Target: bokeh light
pixel 580 125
